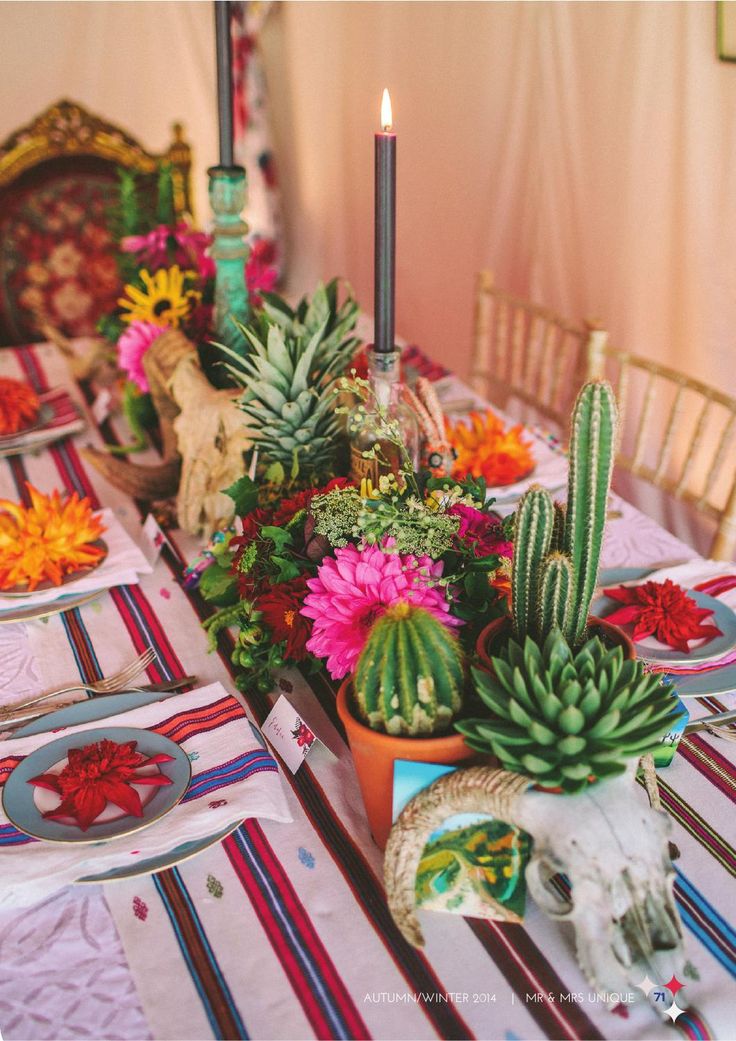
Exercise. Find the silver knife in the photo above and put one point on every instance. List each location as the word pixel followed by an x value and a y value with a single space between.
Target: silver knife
pixel 717 719
pixel 29 714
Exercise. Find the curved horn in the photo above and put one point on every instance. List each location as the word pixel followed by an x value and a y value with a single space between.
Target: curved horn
pixel 477 789
pixel 140 482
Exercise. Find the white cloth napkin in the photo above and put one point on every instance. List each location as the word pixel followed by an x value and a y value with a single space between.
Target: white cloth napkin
pixel 121 567
pixel 218 734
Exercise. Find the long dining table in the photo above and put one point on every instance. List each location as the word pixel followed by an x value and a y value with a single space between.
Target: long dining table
pixel 282 930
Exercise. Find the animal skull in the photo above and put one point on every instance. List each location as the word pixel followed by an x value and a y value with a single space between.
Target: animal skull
pixel 605 841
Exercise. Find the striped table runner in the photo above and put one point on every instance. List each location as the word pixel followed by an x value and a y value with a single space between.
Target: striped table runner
pixel 282 931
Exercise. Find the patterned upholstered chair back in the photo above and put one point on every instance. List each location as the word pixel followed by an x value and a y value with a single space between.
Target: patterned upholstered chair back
pixel 58 185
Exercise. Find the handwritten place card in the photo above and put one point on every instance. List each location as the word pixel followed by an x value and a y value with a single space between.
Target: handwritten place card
pixel 153 539
pixel 290 735
pixel 102 406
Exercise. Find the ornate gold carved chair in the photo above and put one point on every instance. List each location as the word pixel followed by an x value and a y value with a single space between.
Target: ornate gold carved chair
pixel 58 181
pixel 680 436
pixel 527 359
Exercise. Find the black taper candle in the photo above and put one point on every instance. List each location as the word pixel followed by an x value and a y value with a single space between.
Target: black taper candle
pixel 385 239
pixel 224 80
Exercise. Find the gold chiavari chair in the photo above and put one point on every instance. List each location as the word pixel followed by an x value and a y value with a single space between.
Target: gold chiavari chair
pixel 680 437
pixel 527 359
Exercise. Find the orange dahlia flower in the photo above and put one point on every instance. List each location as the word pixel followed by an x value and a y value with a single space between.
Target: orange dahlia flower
pixel 46 540
pixel 19 405
pixel 488 449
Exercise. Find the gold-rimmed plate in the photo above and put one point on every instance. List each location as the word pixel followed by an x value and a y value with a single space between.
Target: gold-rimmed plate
pixel 39 611
pixel 25 804
pixel 45 415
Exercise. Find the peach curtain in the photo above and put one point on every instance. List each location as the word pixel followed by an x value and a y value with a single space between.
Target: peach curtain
pixel 586 151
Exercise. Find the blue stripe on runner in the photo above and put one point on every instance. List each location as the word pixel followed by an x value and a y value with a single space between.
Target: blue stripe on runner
pixel 83 673
pixel 229 773
pixel 10 836
pixel 174 874
pixel 310 969
pixel 702 919
pixel 144 629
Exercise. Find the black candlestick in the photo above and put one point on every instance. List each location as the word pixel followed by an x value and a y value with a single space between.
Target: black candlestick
pixel 385 234
pixel 224 80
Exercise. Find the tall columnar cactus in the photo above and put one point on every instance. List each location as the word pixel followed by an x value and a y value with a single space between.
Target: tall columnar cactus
pixel 592 447
pixel 555 604
pixel 557 549
pixel 409 677
pixel 533 527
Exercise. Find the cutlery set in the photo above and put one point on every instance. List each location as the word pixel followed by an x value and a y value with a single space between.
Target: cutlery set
pixel 21 712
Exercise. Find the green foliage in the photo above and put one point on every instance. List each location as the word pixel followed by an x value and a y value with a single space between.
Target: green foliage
pixel 409 676
pixel 412 523
pixel 567 719
pixel 130 215
pixel 336 514
pixel 141 416
pixel 217 585
pixel 557 549
pixel 244 493
pixel 165 212
pixel 288 374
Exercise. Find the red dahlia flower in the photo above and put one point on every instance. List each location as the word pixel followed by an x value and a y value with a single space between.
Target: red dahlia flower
pixel 97 774
pixel 280 610
pixel 663 610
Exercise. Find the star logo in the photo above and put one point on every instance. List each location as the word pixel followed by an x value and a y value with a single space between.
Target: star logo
pixel 674 1011
pixel 646 985
pixel 674 985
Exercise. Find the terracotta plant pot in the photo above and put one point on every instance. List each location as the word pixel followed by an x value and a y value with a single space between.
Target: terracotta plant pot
pixel 498 625
pixel 374 754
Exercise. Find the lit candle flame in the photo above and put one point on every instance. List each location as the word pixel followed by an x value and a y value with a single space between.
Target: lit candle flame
pixel 387 120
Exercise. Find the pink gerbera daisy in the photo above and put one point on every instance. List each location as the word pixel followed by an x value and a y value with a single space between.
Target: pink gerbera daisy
pixel 354 588
pixel 132 345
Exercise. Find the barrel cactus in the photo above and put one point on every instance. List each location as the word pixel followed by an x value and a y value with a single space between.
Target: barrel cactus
pixel 556 549
pixel 565 718
pixel 409 677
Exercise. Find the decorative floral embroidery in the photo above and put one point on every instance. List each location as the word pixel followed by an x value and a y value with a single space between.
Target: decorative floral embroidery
pixel 217 803
pixel 165 594
pixel 214 887
pixel 57 256
pixel 193 756
pixel 140 909
pixel 305 857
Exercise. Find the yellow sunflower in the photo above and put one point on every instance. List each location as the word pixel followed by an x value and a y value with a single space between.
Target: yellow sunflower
pixel 165 300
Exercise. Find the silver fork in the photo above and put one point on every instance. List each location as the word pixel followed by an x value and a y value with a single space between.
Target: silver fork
pixel 108 685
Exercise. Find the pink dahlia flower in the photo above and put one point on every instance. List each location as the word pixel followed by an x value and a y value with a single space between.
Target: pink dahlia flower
pixel 481 531
pixel 132 345
pixel 354 588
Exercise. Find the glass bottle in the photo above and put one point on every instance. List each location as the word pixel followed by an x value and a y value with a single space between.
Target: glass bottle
pixel 375 425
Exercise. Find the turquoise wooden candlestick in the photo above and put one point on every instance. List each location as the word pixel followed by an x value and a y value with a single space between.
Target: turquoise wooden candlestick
pixel 230 253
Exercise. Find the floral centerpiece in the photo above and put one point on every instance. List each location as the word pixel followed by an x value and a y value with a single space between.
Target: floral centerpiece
pixel 305 578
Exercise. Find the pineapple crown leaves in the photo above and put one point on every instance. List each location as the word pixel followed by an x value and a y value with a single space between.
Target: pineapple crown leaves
pixel 568 718
pixel 322 313
pixel 545 534
pixel 289 373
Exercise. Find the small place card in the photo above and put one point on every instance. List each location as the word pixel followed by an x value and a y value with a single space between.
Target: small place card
pixel 290 735
pixel 153 539
pixel 102 406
